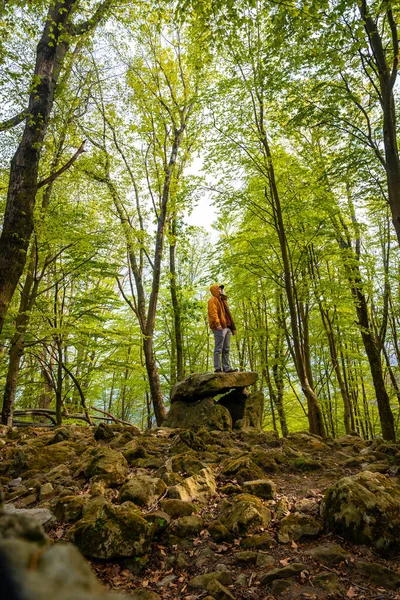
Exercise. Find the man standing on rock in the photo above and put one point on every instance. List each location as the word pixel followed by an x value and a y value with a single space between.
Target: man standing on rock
pixel 222 325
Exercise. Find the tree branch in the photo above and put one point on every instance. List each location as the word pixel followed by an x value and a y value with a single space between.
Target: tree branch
pixel 86 26
pixel 62 170
pixel 15 120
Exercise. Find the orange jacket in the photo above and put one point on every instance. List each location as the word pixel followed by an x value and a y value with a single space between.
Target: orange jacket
pixel 217 308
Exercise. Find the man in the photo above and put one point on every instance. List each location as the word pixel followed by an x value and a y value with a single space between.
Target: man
pixel 222 325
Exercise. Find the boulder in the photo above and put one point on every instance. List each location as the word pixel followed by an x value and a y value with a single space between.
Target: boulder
pixel 23 527
pixel 290 571
pixel 263 488
pixel 42 516
pixel 204 414
pixel 244 514
pixel 143 490
pixel 143 594
pixel 104 431
pixel 329 583
pixel 42 458
pixel 378 575
pixel 201 582
pixel 113 532
pixel 328 554
pixel 186 464
pixel 219 532
pixel 59 571
pixel 262 541
pixel 242 468
pixel 177 508
pixel 69 508
pixel 198 487
pixel 186 527
pixel 219 591
pixel 297 525
pixel 208 385
pixel 365 509
pixel 108 465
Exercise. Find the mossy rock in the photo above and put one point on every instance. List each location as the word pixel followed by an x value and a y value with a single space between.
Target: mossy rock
pixel 290 571
pixel 69 508
pixel 262 541
pixel 143 490
pixel 186 527
pixel 199 415
pixel 42 458
pixel 58 474
pixel 307 441
pixel 134 450
pixel 186 464
pixel 219 532
pixel 177 508
pixel 262 488
pixel 378 575
pixel 159 519
pixel 201 582
pixel 242 468
pixel 198 487
pixel 244 514
pixel 296 526
pixel 115 532
pixel 109 465
pixel 306 463
pixel 264 460
pixel 208 385
pixel 104 432
pixel 21 526
pixel 365 509
pixel 328 554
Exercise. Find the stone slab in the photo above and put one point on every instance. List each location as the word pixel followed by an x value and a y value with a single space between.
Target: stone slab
pixel 207 385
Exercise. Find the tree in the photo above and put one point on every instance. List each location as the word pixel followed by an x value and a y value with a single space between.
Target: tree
pixel 52 48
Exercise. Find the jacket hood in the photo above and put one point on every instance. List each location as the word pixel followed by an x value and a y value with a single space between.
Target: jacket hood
pixel 214 289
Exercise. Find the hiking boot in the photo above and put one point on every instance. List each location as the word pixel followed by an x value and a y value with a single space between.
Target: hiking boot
pixel 232 371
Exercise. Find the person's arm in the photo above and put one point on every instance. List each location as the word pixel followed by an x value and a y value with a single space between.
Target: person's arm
pixel 213 315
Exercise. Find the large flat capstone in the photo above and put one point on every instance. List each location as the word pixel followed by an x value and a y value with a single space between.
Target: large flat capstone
pixel 208 385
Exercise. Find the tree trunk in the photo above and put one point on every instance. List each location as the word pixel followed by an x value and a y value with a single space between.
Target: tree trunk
pixel 28 295
pixel 22 187
pixel 154 381
pixel 387 79
pixel 175 304
pixel 375 364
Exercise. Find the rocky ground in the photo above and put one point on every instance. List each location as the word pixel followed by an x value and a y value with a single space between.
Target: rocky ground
pixel 217 514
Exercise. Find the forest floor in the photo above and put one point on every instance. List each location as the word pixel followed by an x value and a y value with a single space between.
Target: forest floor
pixel 172 563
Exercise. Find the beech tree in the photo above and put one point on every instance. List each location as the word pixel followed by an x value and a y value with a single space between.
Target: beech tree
pixel 58 33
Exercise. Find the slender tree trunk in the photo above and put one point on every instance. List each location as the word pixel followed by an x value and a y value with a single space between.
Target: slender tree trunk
pixel 59 385
pixel 17 346
pixel 387 78
pixel 351 258
pixel 179 375
pixel 315 418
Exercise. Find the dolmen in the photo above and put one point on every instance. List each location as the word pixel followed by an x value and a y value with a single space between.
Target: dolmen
pixel 216 401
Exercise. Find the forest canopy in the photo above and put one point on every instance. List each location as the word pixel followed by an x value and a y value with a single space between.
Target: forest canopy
pixel 121 124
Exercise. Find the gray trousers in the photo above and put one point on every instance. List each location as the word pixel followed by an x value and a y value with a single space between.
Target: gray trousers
pixel 222 345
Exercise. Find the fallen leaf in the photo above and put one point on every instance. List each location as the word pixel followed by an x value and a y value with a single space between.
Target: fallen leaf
pixel 294 545
pixel 303 575
pixel 351 592
pixel 284 562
